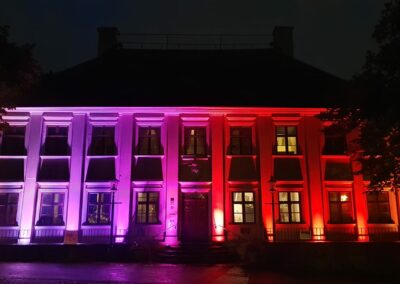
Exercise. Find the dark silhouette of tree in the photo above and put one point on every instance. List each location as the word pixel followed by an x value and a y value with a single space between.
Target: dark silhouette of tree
pixel 377 115
pixel 18 72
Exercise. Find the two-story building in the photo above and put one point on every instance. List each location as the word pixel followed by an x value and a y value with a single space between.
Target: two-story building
pixel 171 144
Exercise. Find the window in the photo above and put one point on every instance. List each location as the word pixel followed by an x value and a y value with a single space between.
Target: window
pixel 12 141
pixel 286 140
pixel 243 207
pixel 8 209
pixel 341 210
pixel 101 169
pixel 56 143
pixel 149 141
pixel 103 143
pixel 378 207
pixel 335 142
pixel 195 141
pixel 147 208
pixel 338 171
pixel 241 141
pixel 12 170
pixel 289 207
pixel 54 170
pixel 99 208
pixel 51 210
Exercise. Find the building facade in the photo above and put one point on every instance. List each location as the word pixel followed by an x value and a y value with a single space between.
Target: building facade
pixel 170 174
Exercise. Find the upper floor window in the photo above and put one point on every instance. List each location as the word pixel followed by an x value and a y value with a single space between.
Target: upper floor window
pixel 147 208
pixel 240 141
pixel 103 143
pixel 286 140
pixel 335 142
pixel 12 141
pixel 195 141
pixel 149 141
pixel 289 207
pixel 243 207
pixel 378 207
pixel 340 206
pixel 56 142
pixel 99 208
pixel 51 210
pixel 8 209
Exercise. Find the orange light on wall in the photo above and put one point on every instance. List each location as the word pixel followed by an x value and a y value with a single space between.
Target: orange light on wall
pixel 218 230
pixel 318 232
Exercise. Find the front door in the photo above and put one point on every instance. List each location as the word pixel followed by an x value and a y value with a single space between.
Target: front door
pixel 195 217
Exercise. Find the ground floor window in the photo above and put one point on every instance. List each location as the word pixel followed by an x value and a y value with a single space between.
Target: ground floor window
pixel 99 208
pixel 378 207
pixel 289 207
pixel 51 210
pixel 340 206
pixel 147 208
pixel 243 207
pixel 8 209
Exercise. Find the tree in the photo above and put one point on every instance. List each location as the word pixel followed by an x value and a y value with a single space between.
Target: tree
pixel 377 115
pixel 18 72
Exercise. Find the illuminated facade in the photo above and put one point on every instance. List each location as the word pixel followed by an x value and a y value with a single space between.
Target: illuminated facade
pixel 186 173
pixel 209 145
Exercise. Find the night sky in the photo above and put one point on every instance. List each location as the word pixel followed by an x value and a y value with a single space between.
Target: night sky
pixel 332 35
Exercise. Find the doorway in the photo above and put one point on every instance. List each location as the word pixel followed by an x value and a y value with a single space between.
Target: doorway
pixel 195 217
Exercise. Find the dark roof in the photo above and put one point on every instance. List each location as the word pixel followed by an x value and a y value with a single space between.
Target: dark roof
pixel 257 77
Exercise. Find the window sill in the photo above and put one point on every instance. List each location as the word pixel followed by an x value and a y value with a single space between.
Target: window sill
pixel 12 156
pixel 43 227
pixel 9 227
pixel 148 224
pixel 149 156
pixel 95 225
pixel 55 156
pixel 241 156
pixel 335 156
pixel 193 157
pixel 102 156
pixel 339 224
pixel 381 223
pixel 287 156
pixel 253 223
pixel 290 223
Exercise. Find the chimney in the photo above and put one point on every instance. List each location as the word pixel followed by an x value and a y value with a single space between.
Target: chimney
pixel 283 40
pixel 107 39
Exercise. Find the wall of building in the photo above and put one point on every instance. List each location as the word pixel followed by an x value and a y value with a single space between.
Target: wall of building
pixel 238 186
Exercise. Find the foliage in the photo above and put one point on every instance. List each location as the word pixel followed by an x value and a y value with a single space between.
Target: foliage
pixel 18 72
pixel 377 116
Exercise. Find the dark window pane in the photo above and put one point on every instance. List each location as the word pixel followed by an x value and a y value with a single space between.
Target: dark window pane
pixel 195 141
pixel 51 210
pixel 12 170
pixel 378 207
pixel 149 142
pixel 56 142
pixel 341 210
pixel 102 143
pixel 12 142
pixel 240 141
pixel 8 209
pixel 98 211
pixel 101 169
pixel 54 170
pixel 338 171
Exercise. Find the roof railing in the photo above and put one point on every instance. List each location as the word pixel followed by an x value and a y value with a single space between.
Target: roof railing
pixel 194 41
